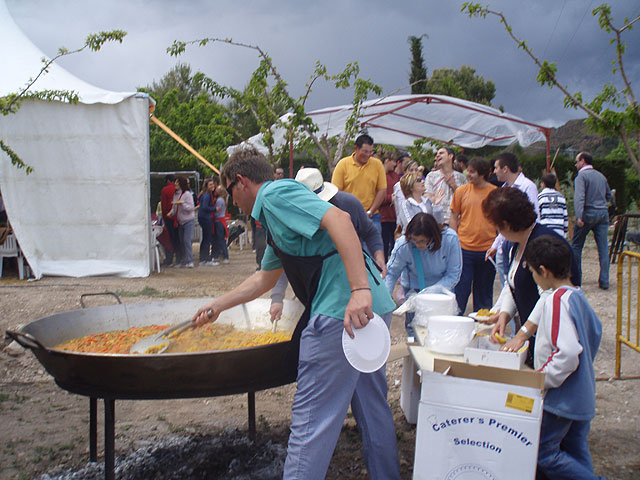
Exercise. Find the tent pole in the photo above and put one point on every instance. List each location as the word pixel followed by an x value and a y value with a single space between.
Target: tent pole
pixel 547 136
pixel 177 138
pixel 291 152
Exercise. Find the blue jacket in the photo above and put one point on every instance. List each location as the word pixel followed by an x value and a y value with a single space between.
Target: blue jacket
pixel 442 267
pixel 575 398
pixel 206 206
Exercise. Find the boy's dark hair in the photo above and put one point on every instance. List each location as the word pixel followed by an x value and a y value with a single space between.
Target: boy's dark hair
pixel 549 251
pixel 549 180
pixel 363 139
pixel 481 165
pixel 169 178
pixel 508 159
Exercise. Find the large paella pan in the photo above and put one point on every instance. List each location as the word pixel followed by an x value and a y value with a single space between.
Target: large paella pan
pixel 154 376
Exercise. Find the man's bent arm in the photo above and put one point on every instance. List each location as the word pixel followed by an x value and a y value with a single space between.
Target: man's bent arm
pixel 260 282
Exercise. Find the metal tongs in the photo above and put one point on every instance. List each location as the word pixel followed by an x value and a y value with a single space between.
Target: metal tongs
pixel 160 341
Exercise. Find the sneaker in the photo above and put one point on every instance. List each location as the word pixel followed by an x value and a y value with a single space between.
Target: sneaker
pixel 188 265
pixel 209 263
pixel 226 260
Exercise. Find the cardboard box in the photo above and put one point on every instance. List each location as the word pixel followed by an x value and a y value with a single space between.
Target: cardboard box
pixel 478 422
pixel 482 352
pixel 410 390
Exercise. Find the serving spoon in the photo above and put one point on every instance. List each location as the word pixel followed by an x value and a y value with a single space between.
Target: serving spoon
pixel 159 342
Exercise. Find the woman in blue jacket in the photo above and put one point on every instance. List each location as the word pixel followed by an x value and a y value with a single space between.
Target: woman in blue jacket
pixel 429 254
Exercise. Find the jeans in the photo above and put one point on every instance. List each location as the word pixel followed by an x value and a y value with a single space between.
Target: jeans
pixel 388 239
pixel 205 245
pixel 564 448
pixel 598 222
pixel 479 273
pixel 173 237
pixel 376 219
pixel 327 384
pixel 185 232
pixel 220 249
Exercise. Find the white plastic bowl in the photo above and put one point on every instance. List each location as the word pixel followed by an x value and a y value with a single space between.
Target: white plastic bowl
pixel 449 334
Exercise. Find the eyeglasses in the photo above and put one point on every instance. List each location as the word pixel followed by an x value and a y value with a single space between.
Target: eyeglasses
pixel 230 187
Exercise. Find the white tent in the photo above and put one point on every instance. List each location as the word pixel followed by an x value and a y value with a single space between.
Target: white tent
pixel 85 208
pixel 400 119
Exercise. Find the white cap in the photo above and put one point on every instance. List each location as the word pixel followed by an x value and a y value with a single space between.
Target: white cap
pixel 312 178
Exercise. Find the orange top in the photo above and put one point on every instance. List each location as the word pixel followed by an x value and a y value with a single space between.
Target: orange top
pixel 474 230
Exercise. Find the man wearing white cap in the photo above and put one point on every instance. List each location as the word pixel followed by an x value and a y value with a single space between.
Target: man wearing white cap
pixel 364 226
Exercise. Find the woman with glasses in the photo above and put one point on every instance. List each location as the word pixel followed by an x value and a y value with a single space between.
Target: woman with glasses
pixel 427 255
pixel 415 202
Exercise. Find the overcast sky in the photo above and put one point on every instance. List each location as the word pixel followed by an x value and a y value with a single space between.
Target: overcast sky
pixel 335 32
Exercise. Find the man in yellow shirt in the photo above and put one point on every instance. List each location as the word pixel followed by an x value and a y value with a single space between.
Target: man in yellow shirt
pixel 364 176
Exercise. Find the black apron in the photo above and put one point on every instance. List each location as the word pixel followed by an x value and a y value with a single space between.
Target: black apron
pixel 304 276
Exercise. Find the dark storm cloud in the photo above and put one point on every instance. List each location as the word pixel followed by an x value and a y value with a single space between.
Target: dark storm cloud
pixel 374 33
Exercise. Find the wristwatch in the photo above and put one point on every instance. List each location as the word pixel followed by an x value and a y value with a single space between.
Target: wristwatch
pixel 524 330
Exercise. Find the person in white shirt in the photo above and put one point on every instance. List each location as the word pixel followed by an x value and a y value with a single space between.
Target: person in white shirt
pixel 442 182
pixel 408 166
pixel 412 186
pixel 507 169
pixel 553 206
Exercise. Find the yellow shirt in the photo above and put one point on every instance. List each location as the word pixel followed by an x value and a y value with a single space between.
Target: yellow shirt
pixel 362 181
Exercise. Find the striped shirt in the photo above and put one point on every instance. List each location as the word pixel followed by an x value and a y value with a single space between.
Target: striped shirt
pixel 553 211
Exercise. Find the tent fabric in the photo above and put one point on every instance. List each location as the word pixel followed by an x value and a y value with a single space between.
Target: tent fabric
pixel 22 60
pixel 85 208
pixel 401 119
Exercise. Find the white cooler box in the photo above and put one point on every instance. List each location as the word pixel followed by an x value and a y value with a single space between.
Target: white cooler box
pixel 478 423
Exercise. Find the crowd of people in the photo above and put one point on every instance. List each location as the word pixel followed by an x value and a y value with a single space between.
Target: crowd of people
pixel 179 207
pixel 383 228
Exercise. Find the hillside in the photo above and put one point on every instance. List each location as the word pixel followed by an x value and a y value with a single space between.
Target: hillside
pixel 574 137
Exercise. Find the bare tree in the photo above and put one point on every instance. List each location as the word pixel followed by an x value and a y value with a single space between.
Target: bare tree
pixel 612 111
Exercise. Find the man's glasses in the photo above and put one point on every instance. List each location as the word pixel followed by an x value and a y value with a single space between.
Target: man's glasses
pixel 230 187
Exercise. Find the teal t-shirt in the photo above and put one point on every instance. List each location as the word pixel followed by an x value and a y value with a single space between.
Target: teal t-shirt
pixel 292 213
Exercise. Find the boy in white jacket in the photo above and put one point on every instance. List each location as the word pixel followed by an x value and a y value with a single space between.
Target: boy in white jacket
pixel 567 340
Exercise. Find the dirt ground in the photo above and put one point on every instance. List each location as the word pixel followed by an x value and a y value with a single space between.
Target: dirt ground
pixel 43 427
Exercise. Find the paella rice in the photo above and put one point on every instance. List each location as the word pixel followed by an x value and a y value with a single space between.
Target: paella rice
pixel 206 338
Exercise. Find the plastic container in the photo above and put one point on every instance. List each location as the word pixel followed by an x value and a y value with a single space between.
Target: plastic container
pixel 427 305
pixel 449 334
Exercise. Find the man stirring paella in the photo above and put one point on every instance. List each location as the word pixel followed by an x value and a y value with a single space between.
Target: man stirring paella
pixel 316 245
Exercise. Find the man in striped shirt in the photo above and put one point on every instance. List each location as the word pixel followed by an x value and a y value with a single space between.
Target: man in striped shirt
pixel 553 206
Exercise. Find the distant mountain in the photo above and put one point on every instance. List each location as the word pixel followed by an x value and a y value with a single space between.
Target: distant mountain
pixel 574 137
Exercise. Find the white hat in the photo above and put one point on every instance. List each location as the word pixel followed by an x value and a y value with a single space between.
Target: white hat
pixel 312 178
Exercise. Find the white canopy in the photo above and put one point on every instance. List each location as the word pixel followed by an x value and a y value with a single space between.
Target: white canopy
pixel 399 120
pixel 85 208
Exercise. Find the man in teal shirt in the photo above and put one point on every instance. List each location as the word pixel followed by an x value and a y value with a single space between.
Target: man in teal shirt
pixel 320 251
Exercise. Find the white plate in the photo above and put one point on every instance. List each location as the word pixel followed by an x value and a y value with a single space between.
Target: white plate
pixel 479 318
pixel 369 349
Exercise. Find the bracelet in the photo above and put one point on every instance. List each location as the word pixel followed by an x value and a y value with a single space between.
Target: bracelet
pixel 524 330
pixel 361 288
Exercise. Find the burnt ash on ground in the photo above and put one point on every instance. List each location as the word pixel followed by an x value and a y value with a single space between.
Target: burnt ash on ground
pixel 231 455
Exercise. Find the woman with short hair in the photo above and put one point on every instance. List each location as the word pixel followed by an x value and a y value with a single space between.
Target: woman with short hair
pixel 412 186
pixel 514 216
